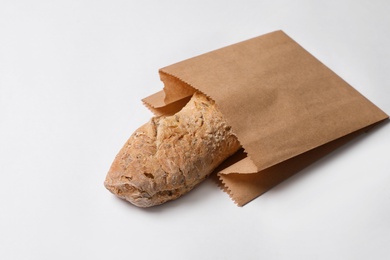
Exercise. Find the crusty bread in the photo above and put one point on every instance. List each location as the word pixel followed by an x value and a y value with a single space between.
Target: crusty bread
pixel 168 156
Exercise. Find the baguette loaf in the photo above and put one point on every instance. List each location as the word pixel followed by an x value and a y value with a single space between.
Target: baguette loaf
pixel 168 156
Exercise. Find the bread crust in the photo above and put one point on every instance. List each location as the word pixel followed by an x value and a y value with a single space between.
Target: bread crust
pixel 169 156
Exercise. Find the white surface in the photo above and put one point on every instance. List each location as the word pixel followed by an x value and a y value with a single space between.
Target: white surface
pixel 72 74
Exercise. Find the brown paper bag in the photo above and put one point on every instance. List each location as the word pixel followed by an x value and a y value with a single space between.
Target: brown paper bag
pixel 286 108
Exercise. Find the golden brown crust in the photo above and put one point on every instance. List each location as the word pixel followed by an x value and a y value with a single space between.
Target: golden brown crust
pixel 168 156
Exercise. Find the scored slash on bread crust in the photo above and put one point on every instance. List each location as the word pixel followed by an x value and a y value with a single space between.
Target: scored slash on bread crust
pixel 170 155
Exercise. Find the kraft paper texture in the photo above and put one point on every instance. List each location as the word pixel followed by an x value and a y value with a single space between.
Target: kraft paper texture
pixel 286 108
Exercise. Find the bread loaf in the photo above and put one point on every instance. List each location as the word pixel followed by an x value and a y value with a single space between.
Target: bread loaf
pixel 168 156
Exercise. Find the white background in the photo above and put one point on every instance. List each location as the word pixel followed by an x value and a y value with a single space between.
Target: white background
pixel 72 74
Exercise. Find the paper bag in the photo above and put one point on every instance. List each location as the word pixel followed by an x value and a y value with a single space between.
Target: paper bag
pixel 286 108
